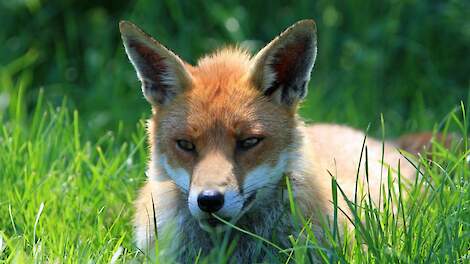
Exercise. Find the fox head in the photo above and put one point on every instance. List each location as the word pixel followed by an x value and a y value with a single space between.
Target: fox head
pixel 224 130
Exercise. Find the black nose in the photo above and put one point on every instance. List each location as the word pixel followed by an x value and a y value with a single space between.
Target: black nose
pixel 210 201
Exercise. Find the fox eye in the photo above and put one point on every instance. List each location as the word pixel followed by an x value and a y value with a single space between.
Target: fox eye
pixel 248 143
pixel 185 145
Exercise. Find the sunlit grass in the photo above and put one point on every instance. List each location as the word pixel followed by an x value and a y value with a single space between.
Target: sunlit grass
pixel 63 198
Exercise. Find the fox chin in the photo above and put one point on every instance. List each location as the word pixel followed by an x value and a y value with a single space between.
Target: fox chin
pixel 225 132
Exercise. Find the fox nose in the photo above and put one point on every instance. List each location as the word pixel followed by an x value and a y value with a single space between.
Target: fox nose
pixel 210 201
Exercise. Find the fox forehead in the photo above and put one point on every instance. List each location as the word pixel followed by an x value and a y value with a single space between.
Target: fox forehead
pixel 223 66
pixel 226 116
pixel 222 76
pixel 221 99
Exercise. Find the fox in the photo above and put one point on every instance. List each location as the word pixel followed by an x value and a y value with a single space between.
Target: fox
pixel 225 132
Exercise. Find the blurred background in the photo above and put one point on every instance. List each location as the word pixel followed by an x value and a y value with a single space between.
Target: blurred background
pixel 406 59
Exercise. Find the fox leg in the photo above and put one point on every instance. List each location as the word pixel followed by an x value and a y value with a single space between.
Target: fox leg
pixel 155 206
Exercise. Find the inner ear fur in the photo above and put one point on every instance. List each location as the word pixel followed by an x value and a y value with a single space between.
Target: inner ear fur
pixel 281 70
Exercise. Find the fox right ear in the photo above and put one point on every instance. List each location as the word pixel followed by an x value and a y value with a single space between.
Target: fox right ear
pixel 281 70
pixel 162 73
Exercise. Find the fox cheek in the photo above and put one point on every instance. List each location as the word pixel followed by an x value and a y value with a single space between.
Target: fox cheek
pixel 264 177
pixel 180 176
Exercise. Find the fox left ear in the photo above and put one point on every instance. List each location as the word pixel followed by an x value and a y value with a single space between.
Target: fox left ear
pixel 281 70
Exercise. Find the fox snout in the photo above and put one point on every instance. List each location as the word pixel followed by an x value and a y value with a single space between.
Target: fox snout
pixel 214 188
pixel 203 202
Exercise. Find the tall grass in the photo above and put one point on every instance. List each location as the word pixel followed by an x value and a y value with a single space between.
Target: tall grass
pixel 62 198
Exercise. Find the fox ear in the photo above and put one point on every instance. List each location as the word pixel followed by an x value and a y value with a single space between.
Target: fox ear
pixel 162 73
pixel 281 70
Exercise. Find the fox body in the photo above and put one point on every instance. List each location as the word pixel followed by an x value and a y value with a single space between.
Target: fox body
pixel 224 132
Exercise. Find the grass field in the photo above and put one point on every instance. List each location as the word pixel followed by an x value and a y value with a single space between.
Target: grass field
pixel 72 140
pixel 66 199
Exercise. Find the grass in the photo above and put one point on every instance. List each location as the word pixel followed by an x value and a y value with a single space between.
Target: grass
pixel 66 199
pixel 73 151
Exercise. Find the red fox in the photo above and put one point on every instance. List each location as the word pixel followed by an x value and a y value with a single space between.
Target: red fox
pixel 225 131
